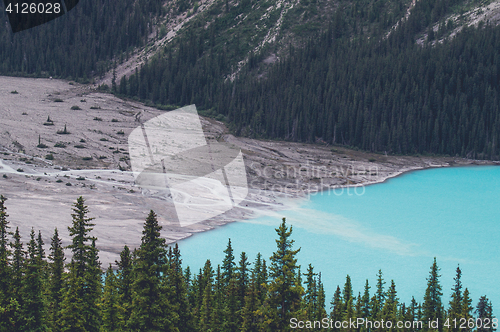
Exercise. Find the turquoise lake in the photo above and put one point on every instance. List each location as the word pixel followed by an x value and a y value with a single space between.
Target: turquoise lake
pixel 398 226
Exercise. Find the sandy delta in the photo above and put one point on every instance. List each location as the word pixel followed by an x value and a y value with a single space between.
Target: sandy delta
pixel 44 169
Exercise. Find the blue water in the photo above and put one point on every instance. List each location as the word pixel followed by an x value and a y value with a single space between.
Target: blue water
pixel 398 226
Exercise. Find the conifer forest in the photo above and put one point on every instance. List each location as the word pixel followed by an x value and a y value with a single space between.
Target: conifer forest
pixel 149 289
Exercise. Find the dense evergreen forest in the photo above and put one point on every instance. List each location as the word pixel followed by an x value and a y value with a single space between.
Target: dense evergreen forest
pixel 150 290
pixel 346 77
pixel 384 94
pixel 80 44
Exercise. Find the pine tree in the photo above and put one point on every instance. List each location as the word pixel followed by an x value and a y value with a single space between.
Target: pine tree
pixel 284 293
pixel 455 303
pixel 249 313
pixel 432 307
pixel 311 293
pixel 124 284
pixel 56 282
pixel 93 290
pixel 380 293
pixel 16 318
pixel 320 309
pixel 365 301
pixel 336 307
pixel 72 318
pixel 79 310
pixel 79 231
pixel 349 315
pixel 390 309
pixel 180 299
pixel 466 309
pixel 40 252
pixel 242 280
pixel 484 312
pixel 4 266
pixel 207 305
pixel 347 293
pixel 151 295
pixel 228 265
pixel 219 301
pixel 110 304
pixel 260 270
pixel 32 289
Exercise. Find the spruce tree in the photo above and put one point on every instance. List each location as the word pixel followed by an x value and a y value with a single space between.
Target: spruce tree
pixel 219 301
pixel 336 307
pixel 311 293
pixel 207 305
pixel 249 314
pixel 124 285
pixel 320 308
pixel 110 303
pixel 79 310
pixel 242 279
pixel 55 281
pixel 16 318
pixel 180 299
pixel 228 265
pixel 347 293
pixel 93 290
pixel 5 294
pixel 79 232
pixel 484 312
pixel 365 301
pixel 32 289
pixel 151 295
pixel 380 293
pixel 390 309
pixel 260 270
pixel 466 309
pixel 284 293
pixel 455 309
pixel 432 308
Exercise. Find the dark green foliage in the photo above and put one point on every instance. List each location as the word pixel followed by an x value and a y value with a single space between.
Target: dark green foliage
pixel 56 281
pixel 484 311
pixel 151 291
pixel 455 311
pixel 336 307
pixel 228 265
pixel 80 43
pixel 151 294
pixel 15 317
pixel 80 234
pixel 378 94
pixel 284 291
pixel 110 304
pixel 4 266
pixel 432 307
pixel 79 310
pixel 124 285
pixel 32 290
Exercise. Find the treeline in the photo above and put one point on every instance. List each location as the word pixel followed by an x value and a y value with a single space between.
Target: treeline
pixel 150 290
pixel 80 44
pixel 384 94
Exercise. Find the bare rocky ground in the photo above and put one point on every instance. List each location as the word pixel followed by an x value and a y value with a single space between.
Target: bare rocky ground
pixel 92 161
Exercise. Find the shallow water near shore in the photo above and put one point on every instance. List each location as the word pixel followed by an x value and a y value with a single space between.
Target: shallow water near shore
pixel 398 226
